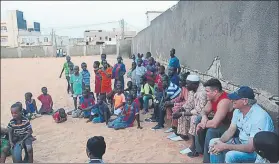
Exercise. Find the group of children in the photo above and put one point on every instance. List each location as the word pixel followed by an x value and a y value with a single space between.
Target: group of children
pixel 18 134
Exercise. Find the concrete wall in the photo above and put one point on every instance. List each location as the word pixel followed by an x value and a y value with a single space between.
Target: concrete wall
pixel 235 41
pixel 28 52
pixel 109 49
pixel 125 48
pixel 92 50
pixel 50 51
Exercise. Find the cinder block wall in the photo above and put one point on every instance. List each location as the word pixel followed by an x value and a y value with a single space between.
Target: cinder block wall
pixel 234 41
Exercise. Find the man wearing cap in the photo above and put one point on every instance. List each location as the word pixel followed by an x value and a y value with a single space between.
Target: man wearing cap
pixel 249 118
pixel 194 105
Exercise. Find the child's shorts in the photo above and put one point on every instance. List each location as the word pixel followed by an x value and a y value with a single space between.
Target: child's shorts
pixel 117 111
pixel 76 95
pixel 98 120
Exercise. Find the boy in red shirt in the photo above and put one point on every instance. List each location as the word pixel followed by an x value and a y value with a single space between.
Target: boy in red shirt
pixel 46 101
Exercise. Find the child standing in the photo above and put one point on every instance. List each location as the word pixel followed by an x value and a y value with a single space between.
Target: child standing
pixel 85 76
pixel 119 71
pixel 60 116
pixel 98 78
pixel 46 101
pixel 118 101
pixel 132 73
pixel 86 101
pixel 106 73
pixel 66 67
pixel 20 135
pixel 76 86
pixel 31 106
pixel 95 149
pixel 140 71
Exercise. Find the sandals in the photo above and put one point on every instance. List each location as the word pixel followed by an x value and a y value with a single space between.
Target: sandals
pixel 193 154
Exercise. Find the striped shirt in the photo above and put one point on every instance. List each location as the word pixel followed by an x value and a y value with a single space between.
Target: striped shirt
pixel 173 90
pixel 85 77
pixel 20 130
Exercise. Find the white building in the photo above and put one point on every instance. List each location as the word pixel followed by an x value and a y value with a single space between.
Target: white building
pixel 95 37
pixel 14 30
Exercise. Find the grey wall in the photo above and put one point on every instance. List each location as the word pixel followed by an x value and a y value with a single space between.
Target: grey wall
pixel 28 52
pixel 235 41
pixel 92 50
pixel 50 51
pixel 109 49
pixel 125 48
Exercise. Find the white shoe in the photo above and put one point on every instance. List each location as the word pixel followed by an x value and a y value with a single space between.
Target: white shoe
pixel 172 135
pixel 178 138
pixel 185 151
pixel 169 130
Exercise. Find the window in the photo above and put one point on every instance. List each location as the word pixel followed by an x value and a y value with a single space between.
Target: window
pixel 45 39
pixel 23 40
pixel 100 38
pixel 109 39
pixel 3 29
pixel 106 38
pixel 90 39
pixel 4 39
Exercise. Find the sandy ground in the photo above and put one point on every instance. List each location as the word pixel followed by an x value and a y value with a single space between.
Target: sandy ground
pixel 66 142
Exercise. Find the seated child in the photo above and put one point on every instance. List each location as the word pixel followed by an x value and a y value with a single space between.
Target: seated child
pixel 147 93
pixel 31 106
pixel 129 89
pixel 118 101
pixel 60 116
pixel 100 112
pixel 24 111
pixel 46 101
pixel 20 135
pixel 129 114
pixel 111 94
pixel 5 146
pixel 95 149
pixel 86 101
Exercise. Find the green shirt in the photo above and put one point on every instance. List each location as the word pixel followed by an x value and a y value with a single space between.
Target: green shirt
pixel 67 68
pixel 76 81
pixel 147 89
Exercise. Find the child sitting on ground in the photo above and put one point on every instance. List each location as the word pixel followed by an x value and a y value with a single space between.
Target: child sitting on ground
pixel 95 149
pixel 128 89
pixel 46 101
pixel 86 103
pixel 129 114
pixel 118 101
pixel 31 106
pixel 5 146
pixel 20 135
pixel 60 116
pixel 112 93
pixel 100 112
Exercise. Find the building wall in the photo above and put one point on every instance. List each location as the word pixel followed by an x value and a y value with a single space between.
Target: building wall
pixel 235 41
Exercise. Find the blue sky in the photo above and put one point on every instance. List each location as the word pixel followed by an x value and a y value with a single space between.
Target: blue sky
pixel 71 18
